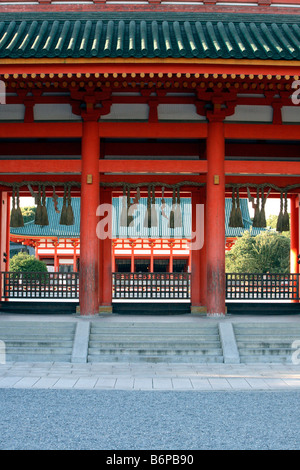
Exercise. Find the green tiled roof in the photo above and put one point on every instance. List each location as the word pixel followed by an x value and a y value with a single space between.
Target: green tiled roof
pixel 161 231
pixel 144 34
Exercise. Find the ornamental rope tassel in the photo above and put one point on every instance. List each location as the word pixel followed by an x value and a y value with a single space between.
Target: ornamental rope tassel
pixel 232 216
pixel 172 213
pixel 16 217
pixel 285 217
pixel 280 217
pixel 163 203
pixel 147 219
pixel 69 213
pixel 38 213
pixel 55 201
pixel 130 217
pixel 153 210
pixel 44 214
pixel 177 213
pixel 123 217
pixel 63 214
pixel 238 212
pixel 256 211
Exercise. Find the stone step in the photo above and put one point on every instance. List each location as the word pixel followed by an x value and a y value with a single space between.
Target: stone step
pixel 43 351
pixel 244 345
pixel 154 344
pixel 38 343
pixel 37 357
pixel 276 359
pixel 155 351
pixel 266 351
pixel 198 359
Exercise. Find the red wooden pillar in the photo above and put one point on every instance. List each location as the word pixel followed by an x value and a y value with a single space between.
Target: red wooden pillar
pixel 195 256
pixel 294 240
pixel 89 253
pixel 8 232
pixel 106 256
pixel 294 235
pixel 215 218
pixel 203 266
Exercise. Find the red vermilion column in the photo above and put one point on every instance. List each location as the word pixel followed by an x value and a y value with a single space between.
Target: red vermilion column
pixel 294 236
pixel 107 247
pixel 215 219
pixel 195 258
pixel 294 239
pixel 89 256
pixel 203 266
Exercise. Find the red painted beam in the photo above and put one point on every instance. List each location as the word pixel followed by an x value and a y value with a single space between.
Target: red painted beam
pixel 141 130
pixel 262 131
pixel 153 166
pixel 40 130
pixel 180 167
pixel 278 168
pixel 149 130
pixel 25 167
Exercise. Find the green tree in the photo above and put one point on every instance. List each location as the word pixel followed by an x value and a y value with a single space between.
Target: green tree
pixel 267 252
pixel 272 223
pixel 28 213
pixel 25 263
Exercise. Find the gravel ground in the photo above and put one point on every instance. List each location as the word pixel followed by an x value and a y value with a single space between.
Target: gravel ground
pixel 129 420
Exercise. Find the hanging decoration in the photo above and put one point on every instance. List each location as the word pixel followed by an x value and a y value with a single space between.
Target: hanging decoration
pixel 44 214
pixel 63 214
pixel 285 217
pixel 123 217
pixel 147 219
pixel 153 210
pixel 38 213
pixel 163 203
pixel 55 201
pixel 256 211
pixel 130 209
pixel 177 213
pixel 172 213
pixel 235 218
pixel 233 210
pixel 16 217
pixel 69 212
pixel 238 215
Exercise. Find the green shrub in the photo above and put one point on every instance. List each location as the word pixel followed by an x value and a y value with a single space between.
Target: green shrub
pixel 24 263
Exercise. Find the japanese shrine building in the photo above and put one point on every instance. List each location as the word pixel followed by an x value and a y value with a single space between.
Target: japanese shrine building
pixel 189 99
pixel 132 251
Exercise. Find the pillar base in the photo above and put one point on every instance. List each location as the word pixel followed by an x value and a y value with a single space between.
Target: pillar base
pixel 103 309
pixel 217 315
pixel 198 309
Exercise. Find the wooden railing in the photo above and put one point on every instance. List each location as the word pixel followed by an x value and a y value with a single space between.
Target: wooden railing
pixel 39 285
pixel 151 286
pixel 262 286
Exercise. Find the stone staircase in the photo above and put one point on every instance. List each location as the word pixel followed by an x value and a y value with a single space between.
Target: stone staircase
pixel 154 342
pixel 266 342
pixel 103 340
pixel 34 341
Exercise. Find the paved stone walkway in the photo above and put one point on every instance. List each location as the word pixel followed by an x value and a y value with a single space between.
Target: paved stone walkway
pixel 129 376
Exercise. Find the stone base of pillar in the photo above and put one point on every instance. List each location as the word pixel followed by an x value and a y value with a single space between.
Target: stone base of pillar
pixel 103 309
pixel 217 315
pixel 198 309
